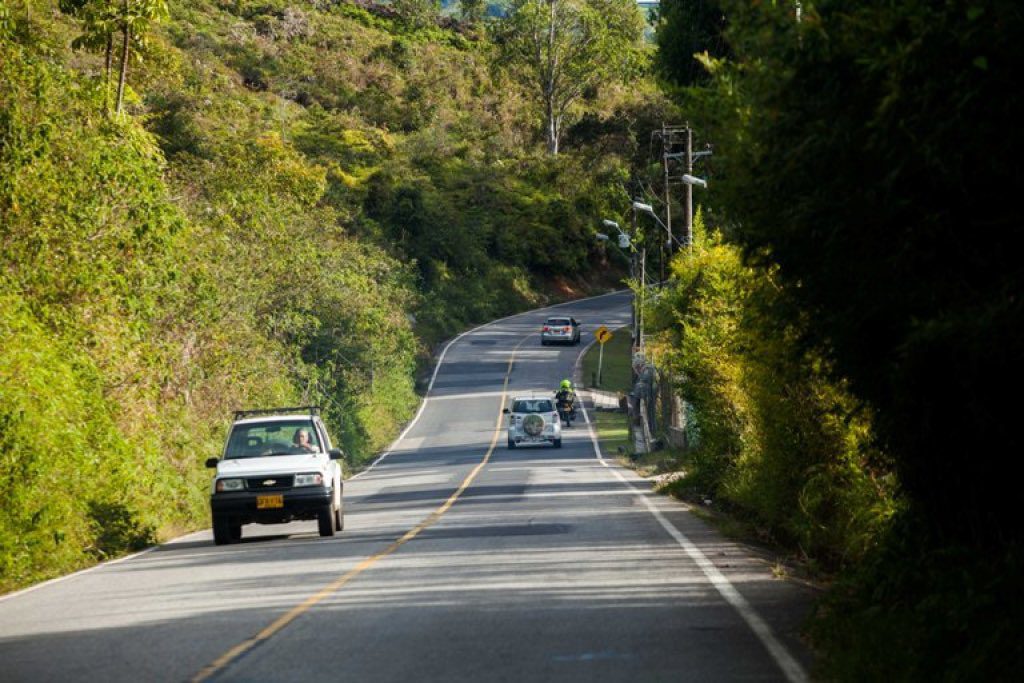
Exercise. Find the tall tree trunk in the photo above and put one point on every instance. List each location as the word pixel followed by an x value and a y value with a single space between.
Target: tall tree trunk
pixel 126 34
pixel 106 77
pixel 552 126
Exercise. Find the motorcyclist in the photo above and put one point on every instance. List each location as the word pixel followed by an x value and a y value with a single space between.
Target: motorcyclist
pixel 567 397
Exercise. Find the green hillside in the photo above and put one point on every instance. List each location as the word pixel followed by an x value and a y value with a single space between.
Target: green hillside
pixel 297 202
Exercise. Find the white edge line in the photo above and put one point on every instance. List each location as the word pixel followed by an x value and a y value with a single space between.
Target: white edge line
pixel 440 360
pixel 391 448
pixel 791 668
pixel 93 568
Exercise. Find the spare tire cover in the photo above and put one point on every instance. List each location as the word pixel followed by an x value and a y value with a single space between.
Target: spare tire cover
pixel 533 425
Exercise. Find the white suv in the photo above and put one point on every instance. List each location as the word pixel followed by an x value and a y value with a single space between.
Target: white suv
pixel 533 420
pixel 278 465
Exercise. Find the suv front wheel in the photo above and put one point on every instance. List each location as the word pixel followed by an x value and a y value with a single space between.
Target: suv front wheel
pixel 329 518
pixel 325 520
pixel 222 530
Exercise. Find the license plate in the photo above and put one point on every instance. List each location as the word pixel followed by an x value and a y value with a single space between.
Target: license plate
pixel 267 502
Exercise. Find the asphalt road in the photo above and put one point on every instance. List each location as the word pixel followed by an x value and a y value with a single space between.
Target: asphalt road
pixel 460 560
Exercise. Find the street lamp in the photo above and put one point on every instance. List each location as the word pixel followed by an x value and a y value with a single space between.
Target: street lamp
pixel 694 180
pixel 647 208
pixel 624 241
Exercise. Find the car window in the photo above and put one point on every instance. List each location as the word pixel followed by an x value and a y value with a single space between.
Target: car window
pixel 541 405
pixel 269 438
pixel 557 321
pixel 325 438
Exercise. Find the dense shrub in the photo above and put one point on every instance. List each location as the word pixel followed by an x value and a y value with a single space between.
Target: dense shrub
pixel 777 437
pixel 862 155
pixel 63 457
pixel 133 327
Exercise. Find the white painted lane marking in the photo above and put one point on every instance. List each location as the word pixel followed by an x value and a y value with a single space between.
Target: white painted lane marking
pixel 791 668
pixel 394 444
pixel 427 397
pixel 82 572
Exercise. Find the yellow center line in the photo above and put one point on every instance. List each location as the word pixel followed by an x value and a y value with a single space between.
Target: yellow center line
pixel 238 650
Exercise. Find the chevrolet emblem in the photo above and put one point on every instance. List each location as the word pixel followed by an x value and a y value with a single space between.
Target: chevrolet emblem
pixel 269 482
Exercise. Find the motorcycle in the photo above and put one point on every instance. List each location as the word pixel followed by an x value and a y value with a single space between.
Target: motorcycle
pixel 566 409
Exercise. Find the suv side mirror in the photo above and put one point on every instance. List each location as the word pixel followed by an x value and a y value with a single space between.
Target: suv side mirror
pixel 335 454
pixel 212 462
pixel 504 411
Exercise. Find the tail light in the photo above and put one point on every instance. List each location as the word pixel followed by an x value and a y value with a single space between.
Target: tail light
pixel 545 329
pixel 566 329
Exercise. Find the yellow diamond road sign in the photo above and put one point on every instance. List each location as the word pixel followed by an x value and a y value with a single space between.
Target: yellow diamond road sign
pixel 603 334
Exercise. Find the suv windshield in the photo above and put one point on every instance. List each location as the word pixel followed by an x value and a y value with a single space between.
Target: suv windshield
pixel 542 405
pixel 272 438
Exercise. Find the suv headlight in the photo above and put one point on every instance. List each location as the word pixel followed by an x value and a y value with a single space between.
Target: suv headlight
pixel 230 485
pixel 311 479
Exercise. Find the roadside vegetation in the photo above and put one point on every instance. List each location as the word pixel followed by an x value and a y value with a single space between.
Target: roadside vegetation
pixel 775 438
pixel 209 205
pixel 848 324
pixel 206 206
pixel 616 372
pixel 611 426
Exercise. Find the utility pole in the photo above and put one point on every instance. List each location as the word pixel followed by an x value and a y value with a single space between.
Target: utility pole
pixel 671 140
pixel 688 215
pixel 643 293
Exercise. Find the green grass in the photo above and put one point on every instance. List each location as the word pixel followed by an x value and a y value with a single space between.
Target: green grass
pixel 612 432
pixel 612 426
pixel 616 373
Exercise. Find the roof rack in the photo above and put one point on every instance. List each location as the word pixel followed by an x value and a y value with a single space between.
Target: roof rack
pixel 309 410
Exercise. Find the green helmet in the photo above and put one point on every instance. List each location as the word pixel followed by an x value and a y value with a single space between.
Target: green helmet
pixel 566 384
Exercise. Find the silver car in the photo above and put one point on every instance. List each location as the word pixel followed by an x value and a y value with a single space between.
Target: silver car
pixel 533 420
pixel 560 330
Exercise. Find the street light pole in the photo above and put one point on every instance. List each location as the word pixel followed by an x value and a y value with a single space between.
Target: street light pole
pixel 632 267
pixel 666 145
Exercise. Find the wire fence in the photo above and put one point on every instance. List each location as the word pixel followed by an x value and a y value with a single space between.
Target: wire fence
pixel 658 415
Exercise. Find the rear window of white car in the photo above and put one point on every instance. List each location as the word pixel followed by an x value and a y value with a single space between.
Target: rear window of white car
pixel 261 439
pixel 558 321
pixel 535 406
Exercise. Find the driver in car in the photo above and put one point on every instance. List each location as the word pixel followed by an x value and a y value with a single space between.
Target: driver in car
pixel 302 443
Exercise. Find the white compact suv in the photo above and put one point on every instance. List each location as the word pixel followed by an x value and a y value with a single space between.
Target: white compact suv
pixel 278 466
pixel 533 420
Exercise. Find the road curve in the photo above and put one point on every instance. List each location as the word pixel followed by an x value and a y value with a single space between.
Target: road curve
pixel 460 560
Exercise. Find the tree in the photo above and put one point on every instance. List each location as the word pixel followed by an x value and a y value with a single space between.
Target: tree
pixel 687 28
pixel 417 13
pixel 473 11
pixel 135 19
pixel 99 22
pixel 101 19
pixel 561 50
pixel 866 148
